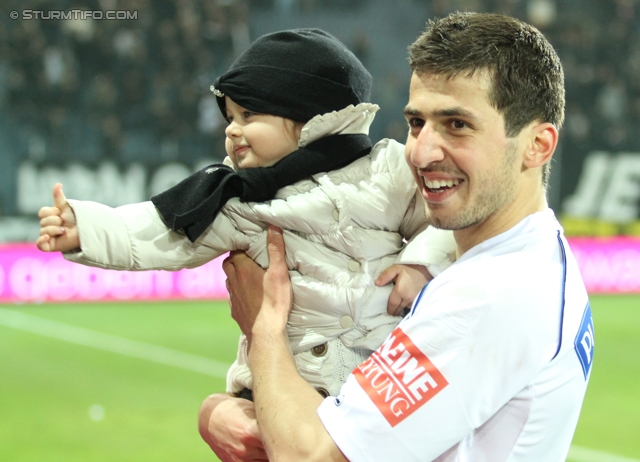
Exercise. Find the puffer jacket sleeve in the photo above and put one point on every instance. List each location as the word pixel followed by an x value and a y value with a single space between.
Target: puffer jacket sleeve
pixel 433 248
pixel 403 193
pixel 134 237
pixel 427 246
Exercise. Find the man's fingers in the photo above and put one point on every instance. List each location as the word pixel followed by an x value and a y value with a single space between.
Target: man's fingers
pixel 228 268
pixel 232 267
pixel 228 425
pixel 59 199
pixel 240 259
pixel 388 275
pixel 252 447
pixel 235 259
pixel 275 246
pixel 277 285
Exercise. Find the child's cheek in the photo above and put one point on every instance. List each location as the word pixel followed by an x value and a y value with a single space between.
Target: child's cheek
pixel 228 146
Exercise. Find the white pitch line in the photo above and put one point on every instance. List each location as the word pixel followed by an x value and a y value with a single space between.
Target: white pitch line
pixel 580 454
pixel 112 343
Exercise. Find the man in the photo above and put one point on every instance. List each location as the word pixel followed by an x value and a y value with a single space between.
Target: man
pixel 493 360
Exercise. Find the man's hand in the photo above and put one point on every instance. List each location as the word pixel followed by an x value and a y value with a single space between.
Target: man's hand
pixel 409 281
pixel 229 426
pixel 58 231
pixel 244 284
pixel 251 288
pixel 278 293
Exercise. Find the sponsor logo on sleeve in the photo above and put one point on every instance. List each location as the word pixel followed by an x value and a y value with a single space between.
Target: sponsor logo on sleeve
pixel 584 341
pixel 399 378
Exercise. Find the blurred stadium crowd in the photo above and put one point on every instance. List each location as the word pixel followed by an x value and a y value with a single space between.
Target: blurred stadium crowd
pixel 126 90
pixel 138 90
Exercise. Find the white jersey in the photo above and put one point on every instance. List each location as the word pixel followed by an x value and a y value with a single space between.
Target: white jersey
pixel 491 364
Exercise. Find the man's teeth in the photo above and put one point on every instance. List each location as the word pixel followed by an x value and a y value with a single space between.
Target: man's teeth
pixel 439 184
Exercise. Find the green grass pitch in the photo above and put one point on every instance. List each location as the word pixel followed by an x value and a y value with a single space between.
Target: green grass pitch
pixel 63 401
pixel 149 410
pixel 610 418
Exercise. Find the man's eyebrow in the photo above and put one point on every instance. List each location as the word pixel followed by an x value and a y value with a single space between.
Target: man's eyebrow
pixel 450 112
pixel 454 112
pixel 409 111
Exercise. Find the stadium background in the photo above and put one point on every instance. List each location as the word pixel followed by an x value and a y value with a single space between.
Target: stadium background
pixel 118 110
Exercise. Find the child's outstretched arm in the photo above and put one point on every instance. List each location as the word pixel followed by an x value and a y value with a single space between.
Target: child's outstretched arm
pixel 58 230
pixel 409 281
pixel 131 237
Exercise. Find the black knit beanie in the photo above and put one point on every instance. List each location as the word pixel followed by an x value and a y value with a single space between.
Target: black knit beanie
pixel 295 74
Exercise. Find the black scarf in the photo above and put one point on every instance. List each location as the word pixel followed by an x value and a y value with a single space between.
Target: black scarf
pixel 193 204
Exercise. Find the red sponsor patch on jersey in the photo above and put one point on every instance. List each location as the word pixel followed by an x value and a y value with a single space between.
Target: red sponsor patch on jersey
pixel 399 378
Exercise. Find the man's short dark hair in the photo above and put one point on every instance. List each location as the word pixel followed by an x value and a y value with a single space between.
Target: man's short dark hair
pixel 527 77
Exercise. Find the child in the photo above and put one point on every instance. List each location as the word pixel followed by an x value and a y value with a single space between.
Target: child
pixel 299 157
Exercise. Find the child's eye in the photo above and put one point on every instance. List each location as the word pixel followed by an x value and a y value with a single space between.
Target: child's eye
pixel 247 114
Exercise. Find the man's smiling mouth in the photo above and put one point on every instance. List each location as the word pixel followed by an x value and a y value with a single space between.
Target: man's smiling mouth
pixel 441 185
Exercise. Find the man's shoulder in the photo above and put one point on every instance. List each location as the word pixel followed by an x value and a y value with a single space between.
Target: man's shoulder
pixel 521 269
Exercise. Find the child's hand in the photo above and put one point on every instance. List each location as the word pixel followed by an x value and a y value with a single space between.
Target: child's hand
pixel 58 231
pixel 409 281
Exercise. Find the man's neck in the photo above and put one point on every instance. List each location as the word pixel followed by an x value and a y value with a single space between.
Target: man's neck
pixel 497 223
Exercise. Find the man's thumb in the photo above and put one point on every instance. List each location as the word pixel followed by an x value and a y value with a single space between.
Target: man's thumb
pixel 59 199
pixel 275 246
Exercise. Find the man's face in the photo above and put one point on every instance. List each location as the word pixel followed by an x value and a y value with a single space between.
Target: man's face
pixel 466 168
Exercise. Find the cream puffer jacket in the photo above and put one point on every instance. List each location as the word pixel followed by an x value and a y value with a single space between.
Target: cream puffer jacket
pixel 341 229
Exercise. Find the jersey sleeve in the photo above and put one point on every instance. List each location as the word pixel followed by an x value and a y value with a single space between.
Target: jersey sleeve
pixel 451 364
pixel 134 237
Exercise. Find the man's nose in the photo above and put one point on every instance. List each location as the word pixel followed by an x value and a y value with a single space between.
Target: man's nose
pixel 428 147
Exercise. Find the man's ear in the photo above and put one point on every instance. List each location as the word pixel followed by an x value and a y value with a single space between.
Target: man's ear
pixel 544 139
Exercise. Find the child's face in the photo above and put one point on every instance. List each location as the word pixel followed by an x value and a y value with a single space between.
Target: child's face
pixel 257 140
